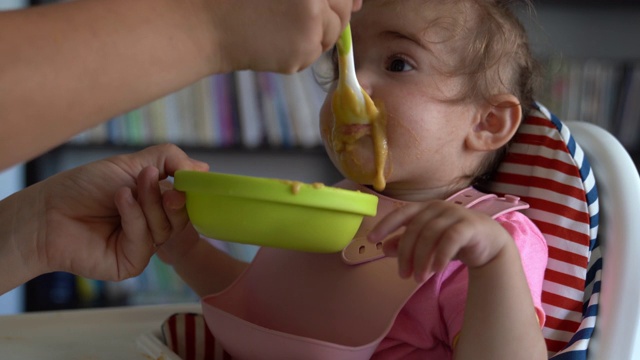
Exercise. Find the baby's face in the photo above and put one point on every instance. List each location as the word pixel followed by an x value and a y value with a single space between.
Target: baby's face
pixel 395 59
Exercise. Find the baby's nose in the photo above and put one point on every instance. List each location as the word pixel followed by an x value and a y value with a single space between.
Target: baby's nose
pixel 364 78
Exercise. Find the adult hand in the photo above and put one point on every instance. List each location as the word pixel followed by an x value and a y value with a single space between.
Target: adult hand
pixel 90 222
pixel 201 265
pixel 277 35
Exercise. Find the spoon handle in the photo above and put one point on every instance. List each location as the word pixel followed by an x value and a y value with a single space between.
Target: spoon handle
pixel 346 66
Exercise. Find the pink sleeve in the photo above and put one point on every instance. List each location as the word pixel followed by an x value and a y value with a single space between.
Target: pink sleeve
pixel 533 253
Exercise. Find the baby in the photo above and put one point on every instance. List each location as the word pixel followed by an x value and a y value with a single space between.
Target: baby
pixel 454 79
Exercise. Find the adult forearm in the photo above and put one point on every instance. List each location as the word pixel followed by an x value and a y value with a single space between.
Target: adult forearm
pixel 69 66
pixel 18 238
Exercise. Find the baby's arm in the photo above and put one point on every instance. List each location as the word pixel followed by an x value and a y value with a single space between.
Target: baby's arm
pixel 500 321
pixel 203 267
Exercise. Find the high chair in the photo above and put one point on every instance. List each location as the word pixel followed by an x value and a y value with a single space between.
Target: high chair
pixel 547 169
pixel 617 330
pixel 554 166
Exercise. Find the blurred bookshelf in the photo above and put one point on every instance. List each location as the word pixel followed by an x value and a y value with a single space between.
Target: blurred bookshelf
pixel 603 92
pixel 591 63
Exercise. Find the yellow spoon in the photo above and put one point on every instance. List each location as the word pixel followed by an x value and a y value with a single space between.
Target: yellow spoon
pixel 351 104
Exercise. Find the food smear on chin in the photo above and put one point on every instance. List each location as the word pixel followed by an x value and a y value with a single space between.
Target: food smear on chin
pixel 350 126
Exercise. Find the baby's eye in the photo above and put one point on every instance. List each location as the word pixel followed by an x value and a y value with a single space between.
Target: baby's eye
pixel 398 64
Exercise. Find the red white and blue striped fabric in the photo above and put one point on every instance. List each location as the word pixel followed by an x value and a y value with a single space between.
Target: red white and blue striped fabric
pixel 548 170
pixel 188 336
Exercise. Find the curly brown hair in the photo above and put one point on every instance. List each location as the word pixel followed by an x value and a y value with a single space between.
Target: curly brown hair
pixel 493 55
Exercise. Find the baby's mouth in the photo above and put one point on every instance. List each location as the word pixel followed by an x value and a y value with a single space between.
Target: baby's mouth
pixel 362 150
pixel 346 139
pixel 351 132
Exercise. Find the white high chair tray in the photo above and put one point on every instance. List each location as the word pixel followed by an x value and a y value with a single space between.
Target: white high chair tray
pixel 96 334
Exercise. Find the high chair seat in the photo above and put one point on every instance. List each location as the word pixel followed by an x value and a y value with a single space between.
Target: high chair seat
pixel 548 169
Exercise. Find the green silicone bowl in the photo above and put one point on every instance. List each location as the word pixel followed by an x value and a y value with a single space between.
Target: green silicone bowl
pixel 273 212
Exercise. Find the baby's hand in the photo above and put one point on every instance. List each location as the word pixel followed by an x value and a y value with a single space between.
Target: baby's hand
pixel 436 233
pixel 164 210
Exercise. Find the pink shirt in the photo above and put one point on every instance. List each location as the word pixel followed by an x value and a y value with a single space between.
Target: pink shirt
pixel 426 326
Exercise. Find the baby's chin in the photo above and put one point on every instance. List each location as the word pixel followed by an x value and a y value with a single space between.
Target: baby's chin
pixel 359 151
pixel 357 161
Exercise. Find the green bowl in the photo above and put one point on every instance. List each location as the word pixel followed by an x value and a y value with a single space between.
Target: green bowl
pixel 273 212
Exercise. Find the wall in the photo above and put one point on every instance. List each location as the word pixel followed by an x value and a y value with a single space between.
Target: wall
pixel 577 31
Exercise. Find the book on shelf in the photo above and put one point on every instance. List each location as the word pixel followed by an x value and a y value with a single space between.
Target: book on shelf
pixel 202 111
pixel 224 105
pixel 157 118
pixel 249 113
pixel 283 111
pixel 303 111
pixel 269 110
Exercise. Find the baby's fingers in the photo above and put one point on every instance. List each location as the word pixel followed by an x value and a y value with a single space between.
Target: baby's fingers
pixel 150 199
pixel 390 246
pixel 430 231
pixel 392 222
pixel 433 256
pixel 174 202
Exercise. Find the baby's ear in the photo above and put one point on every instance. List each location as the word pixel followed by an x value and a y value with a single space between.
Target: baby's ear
pixel 497 123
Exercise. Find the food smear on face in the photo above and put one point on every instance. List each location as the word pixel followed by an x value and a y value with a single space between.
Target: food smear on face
pixel 353 122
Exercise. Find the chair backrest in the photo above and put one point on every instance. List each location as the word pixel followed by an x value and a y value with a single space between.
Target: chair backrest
pixel 548 170
pixel 617 333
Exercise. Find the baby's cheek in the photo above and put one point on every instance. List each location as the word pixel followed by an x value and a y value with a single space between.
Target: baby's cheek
pixel 326 114
pixel 326 123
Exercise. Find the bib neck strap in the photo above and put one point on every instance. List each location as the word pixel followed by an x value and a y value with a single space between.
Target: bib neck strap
pixel 360 250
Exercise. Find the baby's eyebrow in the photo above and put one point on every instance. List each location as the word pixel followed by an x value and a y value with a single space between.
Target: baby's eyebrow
pixel 414 38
